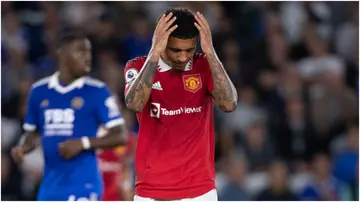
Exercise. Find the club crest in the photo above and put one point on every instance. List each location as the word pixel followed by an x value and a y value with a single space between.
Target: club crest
pixel 77 102
pixel 192 82
pixel 44 103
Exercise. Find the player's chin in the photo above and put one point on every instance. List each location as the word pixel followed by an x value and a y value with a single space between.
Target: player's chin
pixel 179 67
pixel 86 69
pixel 83 71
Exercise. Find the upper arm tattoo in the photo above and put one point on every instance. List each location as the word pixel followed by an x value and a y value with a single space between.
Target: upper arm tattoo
pixel 139 92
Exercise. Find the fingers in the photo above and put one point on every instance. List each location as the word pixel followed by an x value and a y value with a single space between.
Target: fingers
pixel 17 155
pixel 169 23
pixel 164 21
pixel 168 17
pixel 201 30
pixel 198 27
pixel 201 23
pixel 169 31
pixel 63 150
pixel 160 22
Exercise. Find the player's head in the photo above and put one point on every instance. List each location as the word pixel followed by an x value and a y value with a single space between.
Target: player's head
pixel 182 41
pixel 74 51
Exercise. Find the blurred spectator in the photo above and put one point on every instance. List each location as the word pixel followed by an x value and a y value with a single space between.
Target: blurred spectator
pixel 105 38
pixel 234 185
pixel 231 60
pixel 110 71
pixel 235 123
pixel 296 14
pixel 45 63
pixel 332 103
pixel 10 179
pixel 14 44
pixel 295 66
pixel 346 151
pixel 324 186
pixel 258 147
pixel 278 189
pixel 301 176
pixel 10 132
pixel 347 34
pixel 138 41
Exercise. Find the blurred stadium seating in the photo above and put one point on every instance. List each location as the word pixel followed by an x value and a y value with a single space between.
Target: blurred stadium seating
pixel 295 133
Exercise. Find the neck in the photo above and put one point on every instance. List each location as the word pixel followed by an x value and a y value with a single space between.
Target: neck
pixel 165 59
pixel 65 77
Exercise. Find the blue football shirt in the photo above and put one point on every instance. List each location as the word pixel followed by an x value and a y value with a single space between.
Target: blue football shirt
pixel 60 113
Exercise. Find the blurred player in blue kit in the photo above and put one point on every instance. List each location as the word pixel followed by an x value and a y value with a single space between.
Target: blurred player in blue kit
pixel 65 110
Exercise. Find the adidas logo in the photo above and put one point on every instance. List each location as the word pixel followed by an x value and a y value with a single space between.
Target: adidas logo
pixel 157 86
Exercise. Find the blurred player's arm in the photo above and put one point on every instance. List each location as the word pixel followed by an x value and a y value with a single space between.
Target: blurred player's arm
pixel 30 141
pixel 223 89
pixel 139 92
pixel 114 137
pixel 108 114
pixel 31 138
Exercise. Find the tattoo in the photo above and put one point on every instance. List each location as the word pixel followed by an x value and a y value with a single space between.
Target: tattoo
pixel 139 92
pixel 224 93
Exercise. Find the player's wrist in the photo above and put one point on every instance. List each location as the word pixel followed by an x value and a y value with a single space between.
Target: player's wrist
pixel 154 56
pixel 85 143
pixel 210 53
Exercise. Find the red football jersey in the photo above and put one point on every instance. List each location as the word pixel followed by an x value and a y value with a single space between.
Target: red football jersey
pixel 176 143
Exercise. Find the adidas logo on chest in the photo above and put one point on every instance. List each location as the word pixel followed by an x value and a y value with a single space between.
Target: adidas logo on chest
pixel 157 86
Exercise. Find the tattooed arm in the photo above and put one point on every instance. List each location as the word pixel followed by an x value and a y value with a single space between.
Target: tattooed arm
pixel 139 92
pixel 224 92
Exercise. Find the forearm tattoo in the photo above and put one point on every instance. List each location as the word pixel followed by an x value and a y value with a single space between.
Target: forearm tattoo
pixel 139 92
pixel 224 93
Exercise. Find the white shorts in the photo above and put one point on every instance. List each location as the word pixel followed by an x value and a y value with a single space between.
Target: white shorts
pixel 209 196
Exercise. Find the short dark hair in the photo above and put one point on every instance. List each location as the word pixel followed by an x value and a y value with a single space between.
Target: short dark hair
pixel 185 20
pixel 70 37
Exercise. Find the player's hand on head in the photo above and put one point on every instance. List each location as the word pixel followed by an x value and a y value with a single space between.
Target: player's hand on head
pixel 162 32
pixel 205 33
pixel 17 154
pixel 70 148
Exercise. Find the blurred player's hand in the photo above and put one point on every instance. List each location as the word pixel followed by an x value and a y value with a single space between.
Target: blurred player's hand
pixel 17 154
pixel 162 33
pixel 70 148
pixel 205 33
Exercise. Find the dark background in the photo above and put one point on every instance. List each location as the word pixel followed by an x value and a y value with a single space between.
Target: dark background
pixel 295 65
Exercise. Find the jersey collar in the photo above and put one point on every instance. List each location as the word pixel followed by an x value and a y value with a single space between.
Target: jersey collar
pixel 163 67
pixel 54 83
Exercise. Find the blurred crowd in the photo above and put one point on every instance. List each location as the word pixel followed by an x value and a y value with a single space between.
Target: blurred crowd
pixel 295 133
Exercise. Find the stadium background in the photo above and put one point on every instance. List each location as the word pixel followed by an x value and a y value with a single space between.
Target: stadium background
pixel 294 134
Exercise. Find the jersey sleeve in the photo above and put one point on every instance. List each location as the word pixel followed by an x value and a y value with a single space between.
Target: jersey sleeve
pixel 107 110
pixel 31 122
pixel 131 71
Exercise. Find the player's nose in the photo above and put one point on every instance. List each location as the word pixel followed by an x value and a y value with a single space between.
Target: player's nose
pixel 182 57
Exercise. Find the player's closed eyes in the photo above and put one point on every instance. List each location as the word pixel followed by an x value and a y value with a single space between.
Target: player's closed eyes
pixel 175 50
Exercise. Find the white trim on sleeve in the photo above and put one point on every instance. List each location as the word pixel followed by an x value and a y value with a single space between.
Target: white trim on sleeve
pixel 114 122
pixel 29 127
